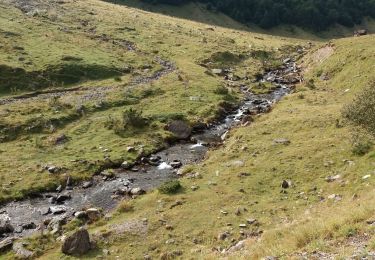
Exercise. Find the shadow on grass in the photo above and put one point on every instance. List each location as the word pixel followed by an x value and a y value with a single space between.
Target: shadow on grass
pixel 199 13
pixel 19 80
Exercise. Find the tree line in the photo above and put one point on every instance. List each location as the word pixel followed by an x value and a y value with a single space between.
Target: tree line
pixel 312 14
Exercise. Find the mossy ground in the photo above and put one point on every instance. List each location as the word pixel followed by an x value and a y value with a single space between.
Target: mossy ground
pixel 320 146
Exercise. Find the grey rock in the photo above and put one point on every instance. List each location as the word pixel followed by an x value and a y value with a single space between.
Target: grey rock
pixel 93 214
pixel 56 223
pixel 81 214
pixel 286 184
pixel 21 252
pixel 281 141
pixel 77 244
pixel 87 184
pixel 29 226
pixel 137 191
pixel 180 129
pixel 6 244
pixel 57 209
pixel 5 226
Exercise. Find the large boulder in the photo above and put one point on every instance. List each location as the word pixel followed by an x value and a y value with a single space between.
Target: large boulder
pixel 77 244
pixel 5 226
pixel 180 129
pixel 22 252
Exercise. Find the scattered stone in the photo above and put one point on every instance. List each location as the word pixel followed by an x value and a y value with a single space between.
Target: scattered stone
pixel 194 187
pixel 224 235
pixel 130 149
pixel 126 165
pixel 137 191
pixel 6 244
pixel 21 252
pixel 59 188
pixel 242 225
pixel 282 141
pixel 53 169
pixel 219 72
pixel 61 139
pixel 77 244
pixel 252 221
pixel 180 129
pixel 93 214
pixel 29 226
pixel 63 197
pixel 286 184
pixel 240 245
pixel 57 209
pixel 56 223
pixel 366 177
pixel 81 214
pixel 333 178
pixel 169 227
pixel 176 164
pixel 87 184
pixel 335 197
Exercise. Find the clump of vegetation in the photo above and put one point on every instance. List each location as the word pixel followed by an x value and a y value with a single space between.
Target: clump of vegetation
pixel 133 118
pixel 125 206
pixel 362 147
pixel 310 84
pixel 361 112
pixel 221 90
pixel 170 187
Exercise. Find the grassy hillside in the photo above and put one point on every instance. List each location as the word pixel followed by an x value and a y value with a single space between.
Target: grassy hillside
pixel 239 181
pixel 56 89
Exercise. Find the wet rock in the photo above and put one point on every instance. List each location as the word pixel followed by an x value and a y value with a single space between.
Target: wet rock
pixel 6 244
pixel 63 197
pixel 286 184
pixel 180 129
pixel 137 191
pixel 57 209
pixel 21 252
pixel 29 226
pixel 77 244
pixel 93 214
pixel 199 127
pixel 176 164
pixel 44 210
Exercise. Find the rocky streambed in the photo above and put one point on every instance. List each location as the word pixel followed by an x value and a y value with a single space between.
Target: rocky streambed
pixel 53 209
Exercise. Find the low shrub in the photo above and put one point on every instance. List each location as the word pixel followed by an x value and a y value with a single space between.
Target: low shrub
pixel 170 187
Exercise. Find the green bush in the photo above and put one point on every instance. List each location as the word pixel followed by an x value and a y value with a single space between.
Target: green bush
pixel 170 187
pixel 362 148
pixel 361 112
pixel 221 90
pixel 133 118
